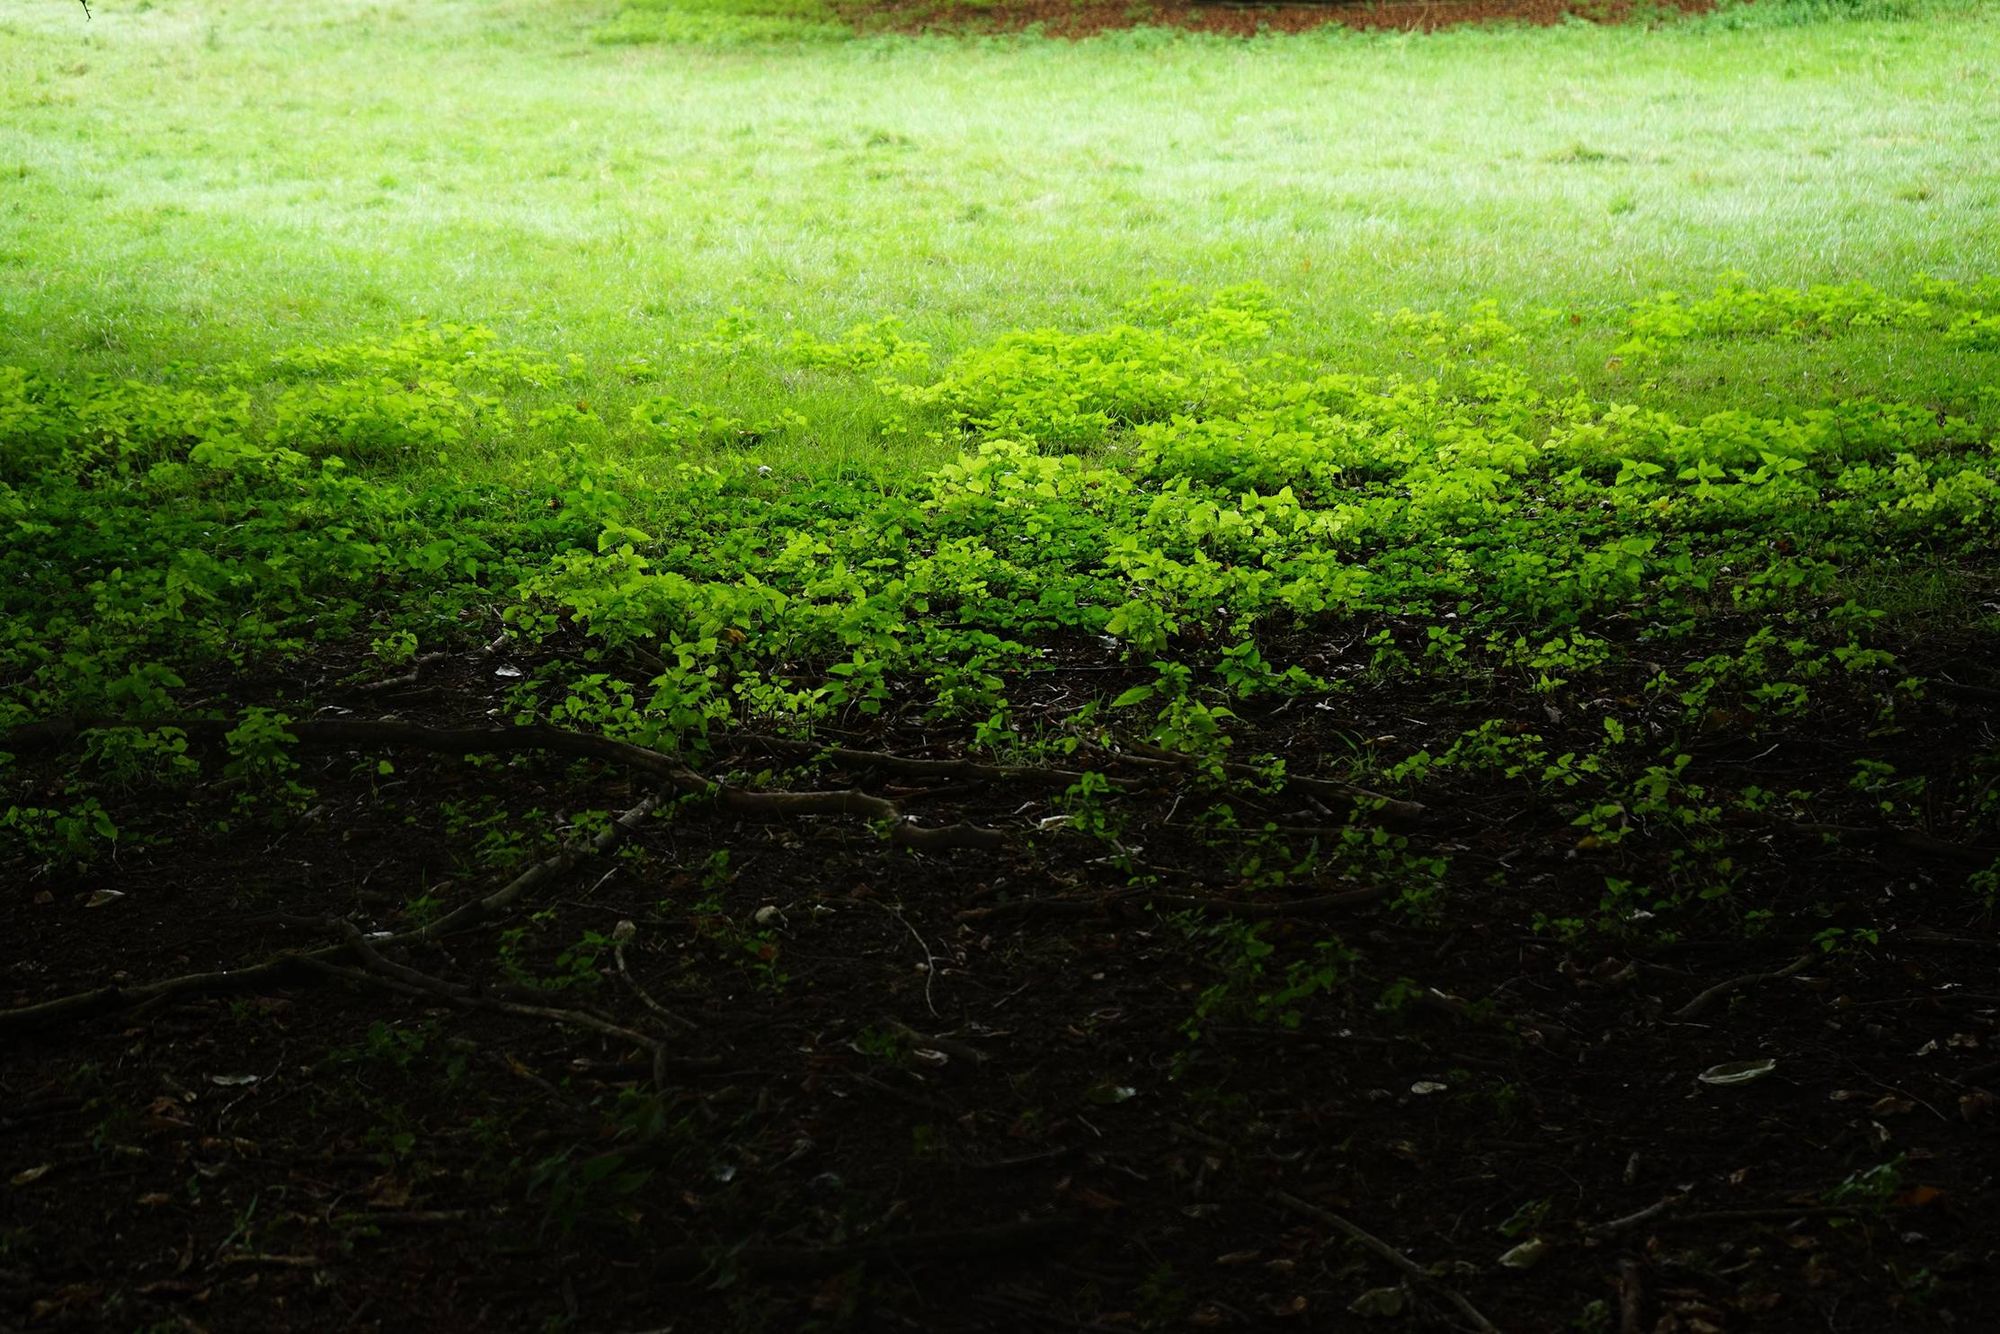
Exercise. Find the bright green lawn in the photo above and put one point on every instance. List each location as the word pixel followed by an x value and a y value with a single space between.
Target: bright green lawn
pixel 191 181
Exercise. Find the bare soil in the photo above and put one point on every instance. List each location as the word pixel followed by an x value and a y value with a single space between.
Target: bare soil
pixel 1085 18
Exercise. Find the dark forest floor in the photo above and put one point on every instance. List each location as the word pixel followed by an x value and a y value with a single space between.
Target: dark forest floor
pixel 958 1090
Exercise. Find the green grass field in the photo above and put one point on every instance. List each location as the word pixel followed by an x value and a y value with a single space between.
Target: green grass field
pixel 182 182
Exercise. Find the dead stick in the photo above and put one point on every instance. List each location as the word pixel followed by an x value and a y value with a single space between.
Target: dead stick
pixel 1721 989
pixel 414 676
pixel 1626 1223
pixel 621 936
pixel 1387 1252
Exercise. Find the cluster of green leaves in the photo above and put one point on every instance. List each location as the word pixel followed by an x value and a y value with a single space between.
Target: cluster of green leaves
pixel 1166 492
pixel 1959 311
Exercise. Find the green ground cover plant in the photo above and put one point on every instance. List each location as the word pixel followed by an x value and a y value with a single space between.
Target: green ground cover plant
pixel 1158 538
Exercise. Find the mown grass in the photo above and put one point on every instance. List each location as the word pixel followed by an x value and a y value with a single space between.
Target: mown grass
pixel 180 182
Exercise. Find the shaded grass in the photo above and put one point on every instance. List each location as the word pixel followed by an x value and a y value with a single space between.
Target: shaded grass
pixel 185 183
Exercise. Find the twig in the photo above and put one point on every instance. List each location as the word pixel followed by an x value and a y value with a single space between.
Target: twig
pixel 414 676
pixel 1613 1227
pixel 1387 1252
pixel 930 959
pixel 1721 989
pixel 621 936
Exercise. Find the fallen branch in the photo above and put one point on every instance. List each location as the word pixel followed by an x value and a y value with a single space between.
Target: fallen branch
pixel 293 964
pixel 1721 989
pixel 419 667
pixel 1612 1227
pixel 1387 1252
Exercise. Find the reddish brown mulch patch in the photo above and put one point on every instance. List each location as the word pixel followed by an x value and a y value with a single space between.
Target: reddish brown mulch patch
pixel 1085 18
pixel 957 1091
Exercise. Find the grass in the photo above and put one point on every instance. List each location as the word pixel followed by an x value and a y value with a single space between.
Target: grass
pixel 185 182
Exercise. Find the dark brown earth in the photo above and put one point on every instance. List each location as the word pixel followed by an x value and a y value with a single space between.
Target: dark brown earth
pixel 955 1091
pixel 1084 18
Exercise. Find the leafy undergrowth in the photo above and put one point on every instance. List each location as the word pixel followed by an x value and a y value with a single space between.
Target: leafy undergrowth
pixel 1254 802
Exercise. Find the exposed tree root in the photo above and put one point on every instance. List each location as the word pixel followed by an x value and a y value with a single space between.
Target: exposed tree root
pixel 363 733
pixel 1392 810
pixel 294 964
pixel 403 977
pixel 1336 794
